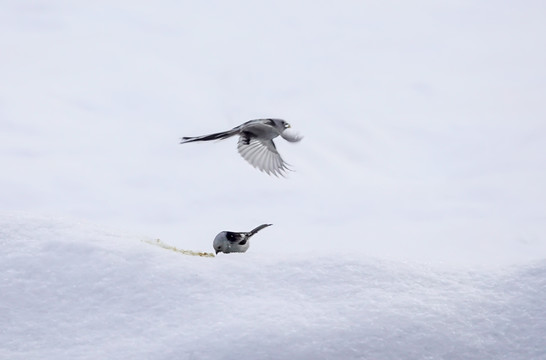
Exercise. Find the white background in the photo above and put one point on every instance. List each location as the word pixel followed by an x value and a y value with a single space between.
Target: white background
pixel 424 122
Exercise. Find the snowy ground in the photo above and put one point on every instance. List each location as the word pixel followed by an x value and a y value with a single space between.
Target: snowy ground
pixel 73 291
pixel 413 226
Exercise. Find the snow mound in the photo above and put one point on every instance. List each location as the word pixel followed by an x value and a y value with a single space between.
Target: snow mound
pixel 75 291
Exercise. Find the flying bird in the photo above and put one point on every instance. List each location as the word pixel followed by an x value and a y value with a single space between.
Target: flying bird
pixel 256 143
pixel 229 241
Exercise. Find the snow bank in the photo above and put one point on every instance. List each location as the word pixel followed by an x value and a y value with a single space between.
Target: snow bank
pixel 75 291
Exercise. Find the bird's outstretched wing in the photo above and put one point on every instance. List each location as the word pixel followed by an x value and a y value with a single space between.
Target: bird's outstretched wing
pixel 262 154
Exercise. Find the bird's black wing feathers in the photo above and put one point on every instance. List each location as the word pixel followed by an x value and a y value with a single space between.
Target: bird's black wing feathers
pixel 245 138
pixel 235 237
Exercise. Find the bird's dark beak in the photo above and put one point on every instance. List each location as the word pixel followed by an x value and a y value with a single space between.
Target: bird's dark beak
pixel 217 251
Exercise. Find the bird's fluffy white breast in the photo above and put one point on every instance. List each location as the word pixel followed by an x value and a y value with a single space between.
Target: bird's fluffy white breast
pixel 291 135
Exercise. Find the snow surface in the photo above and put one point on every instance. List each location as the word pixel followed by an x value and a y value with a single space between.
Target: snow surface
pixel 75 291
pixel 413 226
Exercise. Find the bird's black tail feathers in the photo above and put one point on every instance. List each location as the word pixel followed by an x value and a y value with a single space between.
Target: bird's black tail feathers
pixel 216 136
pixel 254 231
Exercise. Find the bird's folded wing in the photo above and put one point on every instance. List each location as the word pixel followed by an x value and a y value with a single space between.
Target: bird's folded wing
pixel 234 237
pixel 254 126
pixel 262 154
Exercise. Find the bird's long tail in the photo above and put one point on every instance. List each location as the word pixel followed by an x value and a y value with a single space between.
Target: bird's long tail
pixel 254 231
pixel 216 136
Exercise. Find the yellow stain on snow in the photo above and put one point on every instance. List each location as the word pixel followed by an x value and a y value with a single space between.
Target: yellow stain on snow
pixel 161 244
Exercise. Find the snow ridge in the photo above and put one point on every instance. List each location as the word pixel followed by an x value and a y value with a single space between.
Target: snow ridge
pixel 75 291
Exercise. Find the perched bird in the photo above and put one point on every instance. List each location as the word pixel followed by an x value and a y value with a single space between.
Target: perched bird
pixel 256 143
pixel 229 241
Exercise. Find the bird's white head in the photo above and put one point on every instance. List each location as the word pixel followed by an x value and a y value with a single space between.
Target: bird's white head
pixel 279 124
pixel 220 242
